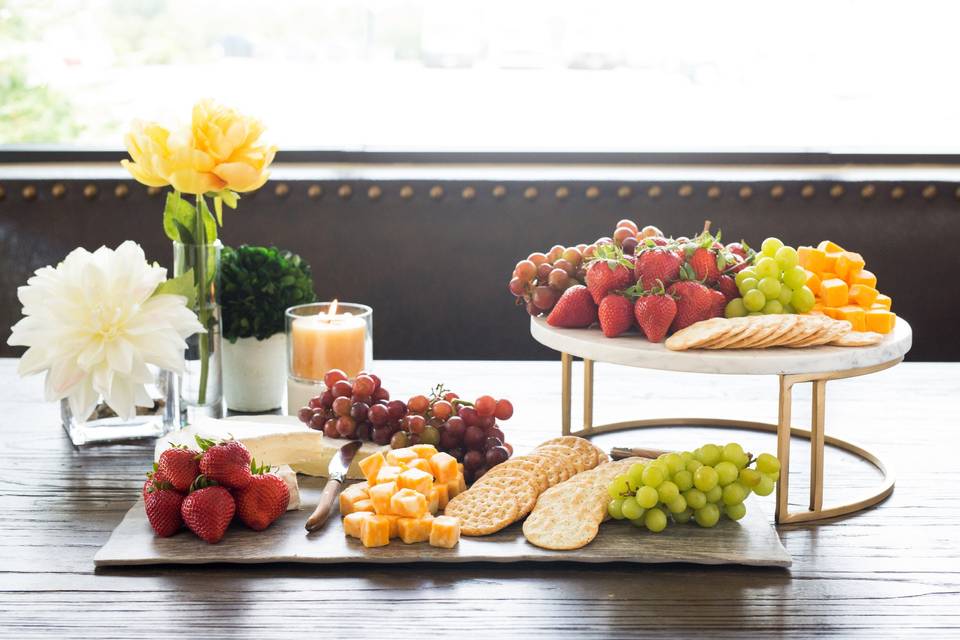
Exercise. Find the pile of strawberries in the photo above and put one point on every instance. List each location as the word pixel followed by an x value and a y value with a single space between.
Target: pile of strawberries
pixel 205 490
pixel 659 284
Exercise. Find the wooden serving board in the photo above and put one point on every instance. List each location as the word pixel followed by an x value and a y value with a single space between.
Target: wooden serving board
pixel 751 541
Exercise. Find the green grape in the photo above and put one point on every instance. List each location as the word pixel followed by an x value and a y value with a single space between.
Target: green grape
pixel 709 454
pixel 705 478
pixel 615 508
pixel 749 477
pixel 715 494
pixel 695 498
pixel 786 294
pixel 770 246
pixel 655 520
pixel 754 300
pixel 735 511
pixel 638 523
pixel 647 497
pixel 734 493
pixel 727 472
pixel 677 505
pixel 619 487
pixel 747 284
pixel 653 475
pixel 631 509
pixel 674 462
pixel 707 516
pixel 686 456
pixel 787 257
pixel 767 268
pixel 788 308
pixel 684 516
pixel 773 307
pixel 764 487
pixel 774 477
pixel 733 452
pixel 667 491
pixel 693 465
pixel 635 474
pixel 803 299
pixel 767 463
pixel 683 479
pixel 743 274
pixel 795 277
pixel 770 288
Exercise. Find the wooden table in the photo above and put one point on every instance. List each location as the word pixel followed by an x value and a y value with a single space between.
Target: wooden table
pixel 882 573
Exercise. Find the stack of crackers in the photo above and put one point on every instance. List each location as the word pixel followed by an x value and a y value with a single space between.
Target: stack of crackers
pixel 760 332
pixel 510 490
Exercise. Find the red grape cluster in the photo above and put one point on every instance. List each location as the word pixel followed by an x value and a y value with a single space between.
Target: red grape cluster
pixel 361 410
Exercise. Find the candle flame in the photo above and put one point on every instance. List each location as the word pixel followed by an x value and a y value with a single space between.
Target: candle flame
pixel 332 310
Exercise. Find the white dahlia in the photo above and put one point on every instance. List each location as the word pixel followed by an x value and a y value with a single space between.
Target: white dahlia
pixel 93 324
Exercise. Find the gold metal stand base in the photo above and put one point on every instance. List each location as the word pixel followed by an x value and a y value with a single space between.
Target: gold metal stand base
pixel 818 439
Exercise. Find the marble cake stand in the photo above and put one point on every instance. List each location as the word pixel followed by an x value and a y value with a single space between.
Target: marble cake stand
pixel 814 365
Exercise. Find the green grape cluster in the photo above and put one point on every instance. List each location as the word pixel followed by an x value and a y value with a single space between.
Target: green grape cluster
pixel 701 486
pixel 775 283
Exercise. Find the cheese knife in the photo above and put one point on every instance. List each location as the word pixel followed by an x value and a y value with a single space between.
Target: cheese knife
pixel 336 474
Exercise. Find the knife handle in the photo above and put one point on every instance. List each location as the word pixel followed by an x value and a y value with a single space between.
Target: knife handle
pixel 330 492
pixel 619 453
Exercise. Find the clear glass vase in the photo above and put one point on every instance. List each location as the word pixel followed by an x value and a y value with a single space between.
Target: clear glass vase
pixel 201 384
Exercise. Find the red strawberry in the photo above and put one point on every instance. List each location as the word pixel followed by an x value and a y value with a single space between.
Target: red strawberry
pixel 208 512
pixel 728 286
pixel 737 249
pixel 655 313
pixel 615 314
pixel 719 303
pixel 178 466
pixel 695 302
pixel 704 265
pixel 611 270
pixel 226 463
pixel 162 505
pixel 657 264
pixel 262 501
pixel 575 309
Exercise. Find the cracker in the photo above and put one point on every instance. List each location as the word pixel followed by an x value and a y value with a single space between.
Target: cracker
pixel 484 509
pixel 554 527
pixel 539 475
pixel 767 325
pixel 739 327
pixel 592 452
pixel 557 470
pixel 519 482
pixel 831 330
pixel 788 324
pixel 571 455
pixel 857 339
pixel 698 333
pixel 810 329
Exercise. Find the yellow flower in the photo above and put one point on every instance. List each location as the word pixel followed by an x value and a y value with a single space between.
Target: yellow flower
pixel 161 158
pixel 232 142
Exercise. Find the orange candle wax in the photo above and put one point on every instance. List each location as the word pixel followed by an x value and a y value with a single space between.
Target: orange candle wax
pixel 328 341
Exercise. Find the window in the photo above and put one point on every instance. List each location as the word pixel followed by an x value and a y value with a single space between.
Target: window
pixel 491 75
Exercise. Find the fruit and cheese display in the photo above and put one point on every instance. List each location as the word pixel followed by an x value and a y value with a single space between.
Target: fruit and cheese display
pixel 402 496
pixel 205 491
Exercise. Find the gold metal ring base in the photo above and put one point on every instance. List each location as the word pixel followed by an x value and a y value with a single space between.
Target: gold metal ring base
pixel 818 439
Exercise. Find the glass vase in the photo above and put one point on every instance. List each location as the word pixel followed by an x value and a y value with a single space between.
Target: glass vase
pixel 201 383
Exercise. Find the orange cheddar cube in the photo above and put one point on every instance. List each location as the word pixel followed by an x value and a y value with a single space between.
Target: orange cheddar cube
pixel 423 465
pixel 356 491
pixel 388 473
pixel 884 301
pixel 830 263
pixel 401 457
pixel 375 531
pixel 812 259
pixel 393 519
pixel 855 316
pixel 416 479
pixel 880 320
pixel 444 467
pixel 831 312
pixel 444 532
pixel 813 282
pixel 363 505
pixel 863 295
pixel 353 521
pixel 453 487
pixel 865 278
pixel 443 495
pixel 425 451
pixel 380 495
pixel 346 503
pixel 849 264
pixel 829 247
pixel 408 503
pixel 834 292
pixel 433 501
pixel 412 530
pixel 370 466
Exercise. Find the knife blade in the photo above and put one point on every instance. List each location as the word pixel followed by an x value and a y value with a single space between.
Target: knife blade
pixel 336 474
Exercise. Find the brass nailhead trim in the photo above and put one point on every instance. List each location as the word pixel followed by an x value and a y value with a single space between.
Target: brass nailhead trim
pixel 713 192
pixel 592 193
pixel 436 192
pixel 531 193
pixel 655 191
pixel 468 193
pixel 406 192
pixel 153 191
pixel 90 191
pixel 121 191
pixel 624 192
pixel 344 191
pixel 746 192
pixel 281 190
pixel 868 191
pixel 29 193
pixel 776 191
pixel 499 191
pixel 58 190
pixel 314 192
pixel 685 191
pixel 929 192
pixel 374 192
pixel 836 191
pixel 897 193
pixel 562 193
pixel 808 191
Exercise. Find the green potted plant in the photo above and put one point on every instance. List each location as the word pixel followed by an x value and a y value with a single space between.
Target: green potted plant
pixel 257 286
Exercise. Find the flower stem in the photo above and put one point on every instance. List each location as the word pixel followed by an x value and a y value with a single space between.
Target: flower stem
pixel 203 313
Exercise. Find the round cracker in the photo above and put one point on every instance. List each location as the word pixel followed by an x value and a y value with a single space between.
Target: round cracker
pixel 557 470
pixel 809 329
pixel 484 509
pixel 831 330
pixel 591 452
pixel 766 326
pixel 788 324
pixel 697 334
pixel 520 485
pixel 857 339
pixel 576 458
pixel 539 475
pixel 739 328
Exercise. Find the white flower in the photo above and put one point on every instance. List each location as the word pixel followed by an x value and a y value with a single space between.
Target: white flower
pixel 93 326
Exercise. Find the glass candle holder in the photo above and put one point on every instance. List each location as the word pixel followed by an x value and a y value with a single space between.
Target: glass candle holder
pixel 323 336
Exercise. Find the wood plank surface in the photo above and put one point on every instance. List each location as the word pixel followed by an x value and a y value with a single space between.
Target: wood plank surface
pixel 890 572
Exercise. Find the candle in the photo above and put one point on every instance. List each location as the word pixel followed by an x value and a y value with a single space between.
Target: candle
pixel 327 341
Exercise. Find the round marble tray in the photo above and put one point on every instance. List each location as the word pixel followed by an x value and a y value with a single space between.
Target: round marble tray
pixel 635 351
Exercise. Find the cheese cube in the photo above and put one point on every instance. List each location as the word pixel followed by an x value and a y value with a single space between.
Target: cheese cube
pixel 461 484
pixel 433 501
pixel 370 466
pixel 425 451
pixel 829 247
pixel 444 467
pixel 832 312
pixel 388 473
pixel 408 503
pixel 812 259
pixel 863 295
pixel 885 302
pixel 834 292
pixel 375 531
pixel 880 320
pixel 813 282
pixel 422 464
pixel 866 278
pixel 443 495
pixel 399 457
pixel 363 505
pixel 380 495
pixel 444 532
pixel 346 504
pixel 393 519
pixel 849 264
pixel 413 530
pixel 453 487
pixel 830 262
pixel 416 479
pixel 855 316
pixel 352 522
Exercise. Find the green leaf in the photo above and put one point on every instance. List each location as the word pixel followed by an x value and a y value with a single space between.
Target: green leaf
pixel 218 208
pixel 209 223
pixel 182 285
pixel 178 214
pixel 185 235
pixel 230 198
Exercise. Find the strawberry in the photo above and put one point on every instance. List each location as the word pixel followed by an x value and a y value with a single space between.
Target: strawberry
pixel 704 263
pixel 695 302
pixel 226 463
pixel 162 504
pixel 728 286
pixel 208 510
pixel 575 309
pixel 610 270
pixel 719 303
pixel 655 311
pixel 615 314
pixel 263 500
pixel 178 466
pixel 657 263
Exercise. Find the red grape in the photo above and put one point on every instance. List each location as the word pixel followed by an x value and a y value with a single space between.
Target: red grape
pixel 442 409
pixel 363 399
pixel 364 430
pixel 630 246
pixel 537 258
pixel 532 309
pixel 341 406
pixel 504 409
pixel 491 442
pixel 486 422
pixel 304 414
pixel 629 224
pixel 399 440
pixel 555 252
pixel 622 233
pixel 330 428
pixel 418 404
pixel 413 438
pixel 430 435
pixel 456 452
pixel 346 426
pixel 448 440
pixel 517 287
pixel 485 405
pixel 495 432
pixel 381 435
pixel 543 272
pixel 380 394
pixel 416 423
pixel 558 279
pixel 326 399
pixel 377 415
pixel 508 447
pixel 496 455
pixel 469 416
pixel 316 420
pixel 341 389
pixel 525 271
pixel 333 376
pixel 375 377
pixel 396 409
pixel 473 437
pixel 544 298
pixel 573 256
pixel 456 426
pixel 472 460
pixel 364 385
pixel 450 396
pixel 315 403
pixel 359 411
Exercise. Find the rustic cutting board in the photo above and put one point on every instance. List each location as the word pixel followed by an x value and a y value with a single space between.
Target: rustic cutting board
pixel 751 541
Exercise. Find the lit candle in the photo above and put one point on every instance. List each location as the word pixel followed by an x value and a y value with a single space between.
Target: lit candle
pixel 327 341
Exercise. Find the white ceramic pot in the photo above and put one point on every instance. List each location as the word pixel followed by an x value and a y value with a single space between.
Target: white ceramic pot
pixel 254 372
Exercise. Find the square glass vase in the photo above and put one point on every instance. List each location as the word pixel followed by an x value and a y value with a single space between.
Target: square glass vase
pixel 103 426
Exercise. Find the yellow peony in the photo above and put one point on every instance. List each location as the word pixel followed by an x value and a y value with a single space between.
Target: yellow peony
pixel 232 141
